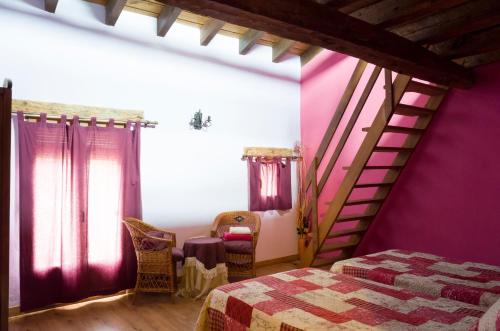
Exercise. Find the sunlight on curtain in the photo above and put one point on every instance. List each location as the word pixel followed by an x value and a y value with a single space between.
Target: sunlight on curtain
pixel 104 212
pixel 47 201
pixel 269 180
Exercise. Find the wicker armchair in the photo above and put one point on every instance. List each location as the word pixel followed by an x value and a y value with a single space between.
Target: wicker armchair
pixel 156 269
pixel 239 263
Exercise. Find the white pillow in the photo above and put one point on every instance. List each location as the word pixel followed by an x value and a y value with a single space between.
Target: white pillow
pixel 490 320
pixel 240 229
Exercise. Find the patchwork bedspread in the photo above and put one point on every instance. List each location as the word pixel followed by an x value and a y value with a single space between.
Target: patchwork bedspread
pixel 473 283
pixel 313 299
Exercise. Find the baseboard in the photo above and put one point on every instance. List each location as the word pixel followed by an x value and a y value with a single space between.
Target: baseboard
pixel 284 259
pixel 14 311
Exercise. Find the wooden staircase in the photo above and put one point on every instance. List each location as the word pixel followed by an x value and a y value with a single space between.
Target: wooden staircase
pixel 328 244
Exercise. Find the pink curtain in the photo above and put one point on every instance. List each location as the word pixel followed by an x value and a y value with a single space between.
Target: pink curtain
pixel 269 184
pixel 76 185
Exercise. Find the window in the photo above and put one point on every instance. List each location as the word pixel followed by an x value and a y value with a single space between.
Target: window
pixel 270 184
pixel 48 213
pixel 76 183
pixel 104 212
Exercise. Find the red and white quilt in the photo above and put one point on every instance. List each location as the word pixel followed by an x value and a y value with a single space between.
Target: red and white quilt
pixel 473 283
pixel 313 299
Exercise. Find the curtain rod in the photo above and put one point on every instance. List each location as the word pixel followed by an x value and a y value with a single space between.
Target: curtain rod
pixel 144 123
pixel 293 158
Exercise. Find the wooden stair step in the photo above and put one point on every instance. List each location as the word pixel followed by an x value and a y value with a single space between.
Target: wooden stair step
pixel 347 232
pixel 354 217
pixel 408 110
pixel 364 185
pixel 321 261
pixel 392 149
pixel 363 201
pixel 402 129
pixel 383 167
pixel 341 245
pixel 379 167
pixel 359 201
pixel 399 129
pixel 422 88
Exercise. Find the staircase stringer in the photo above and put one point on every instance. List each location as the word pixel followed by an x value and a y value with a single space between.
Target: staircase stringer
pixel 362 156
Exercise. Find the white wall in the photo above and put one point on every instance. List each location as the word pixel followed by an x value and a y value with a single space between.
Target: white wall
pixel 187 176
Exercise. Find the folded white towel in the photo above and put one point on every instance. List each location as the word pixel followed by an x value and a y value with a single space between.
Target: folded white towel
pixel 240 229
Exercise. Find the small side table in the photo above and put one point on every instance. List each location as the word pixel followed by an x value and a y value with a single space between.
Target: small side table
pixel 204 266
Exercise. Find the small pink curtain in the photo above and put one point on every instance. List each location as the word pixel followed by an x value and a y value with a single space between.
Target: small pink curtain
pixel 269 184
pixel 76 184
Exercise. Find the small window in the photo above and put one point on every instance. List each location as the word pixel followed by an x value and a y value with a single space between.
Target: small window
pixel 269 183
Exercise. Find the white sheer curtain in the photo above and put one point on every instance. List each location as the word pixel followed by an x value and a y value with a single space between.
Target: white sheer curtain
pixel 14 294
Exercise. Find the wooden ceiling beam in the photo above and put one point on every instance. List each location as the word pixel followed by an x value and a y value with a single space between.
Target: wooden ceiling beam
pixel 209 30
pixel 448 23
pixel 51 5
pixel 249 39
pixel 389 13
pixel 346 6
pixel 320 25
pixel 469 44
pixel 166 19
pixel 281 48
pixel 472 24
pixel 309 54
pixel 113 10
pixel 349 6
pixel 480 59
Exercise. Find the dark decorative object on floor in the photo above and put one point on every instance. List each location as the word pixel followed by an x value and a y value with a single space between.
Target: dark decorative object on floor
pixel 197 122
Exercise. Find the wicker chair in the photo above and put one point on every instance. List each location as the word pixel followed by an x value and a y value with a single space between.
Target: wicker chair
pixel 156 269
pixel 239 263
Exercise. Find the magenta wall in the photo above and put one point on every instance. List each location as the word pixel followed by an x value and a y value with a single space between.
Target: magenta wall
pixel 445 201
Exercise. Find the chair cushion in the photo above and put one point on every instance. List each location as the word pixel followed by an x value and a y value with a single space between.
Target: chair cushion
pixel 177 254
pixel 151 244
pixel 238 247
pixel 237 236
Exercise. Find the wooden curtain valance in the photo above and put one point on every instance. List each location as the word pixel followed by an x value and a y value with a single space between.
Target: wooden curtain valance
pixel 269 152
pixel 32 109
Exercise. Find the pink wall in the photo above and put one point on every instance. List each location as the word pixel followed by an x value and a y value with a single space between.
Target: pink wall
pixel 444 202
pixel 323 83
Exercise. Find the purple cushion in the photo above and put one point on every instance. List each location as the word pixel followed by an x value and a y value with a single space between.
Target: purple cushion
pixel 238 247
pixel 155 245
pixel 151 244
pixel 177 254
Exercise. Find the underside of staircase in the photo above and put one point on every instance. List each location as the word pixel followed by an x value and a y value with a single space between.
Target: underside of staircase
pixel 336 233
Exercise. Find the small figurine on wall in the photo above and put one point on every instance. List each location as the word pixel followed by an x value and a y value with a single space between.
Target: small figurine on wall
pixel 197 122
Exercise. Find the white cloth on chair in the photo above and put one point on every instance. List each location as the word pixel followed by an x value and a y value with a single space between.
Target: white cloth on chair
pixel 240 230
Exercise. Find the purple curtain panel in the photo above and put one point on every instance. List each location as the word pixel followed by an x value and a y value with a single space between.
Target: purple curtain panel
pixel 76 185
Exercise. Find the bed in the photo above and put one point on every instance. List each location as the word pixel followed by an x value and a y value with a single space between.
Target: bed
pixel 314 299
pixel 473 283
